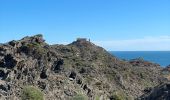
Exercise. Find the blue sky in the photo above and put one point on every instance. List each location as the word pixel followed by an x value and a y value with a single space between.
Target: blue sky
pixel 119 25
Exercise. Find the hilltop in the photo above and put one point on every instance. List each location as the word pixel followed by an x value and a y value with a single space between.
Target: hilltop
pixel 67 72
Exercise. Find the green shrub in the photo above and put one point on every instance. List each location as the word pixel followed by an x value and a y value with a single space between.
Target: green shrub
pixel 31 93
pixel 118 95
pixel 80 97
pixel 36 49
pixel 97 98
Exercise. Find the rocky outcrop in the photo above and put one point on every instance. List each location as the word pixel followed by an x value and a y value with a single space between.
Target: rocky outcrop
pixel 63 72
pixel 161 92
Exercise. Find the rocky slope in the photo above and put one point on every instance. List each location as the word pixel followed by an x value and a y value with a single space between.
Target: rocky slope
pixel 63 72
pixel 161 92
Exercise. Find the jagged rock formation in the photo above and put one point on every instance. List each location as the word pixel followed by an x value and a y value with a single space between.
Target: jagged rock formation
pixel 161 92
pixel 63 71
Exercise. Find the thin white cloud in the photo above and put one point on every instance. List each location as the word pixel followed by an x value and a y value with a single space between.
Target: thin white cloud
pixel 161 43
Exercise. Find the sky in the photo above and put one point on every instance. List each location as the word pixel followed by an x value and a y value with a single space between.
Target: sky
pixel 116 25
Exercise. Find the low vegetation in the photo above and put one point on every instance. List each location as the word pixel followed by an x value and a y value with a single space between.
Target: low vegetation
pixel 118 95
pixel 31 93
pixel 80 97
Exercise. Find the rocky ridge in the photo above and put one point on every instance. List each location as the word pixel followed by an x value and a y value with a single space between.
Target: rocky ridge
pixel 62 72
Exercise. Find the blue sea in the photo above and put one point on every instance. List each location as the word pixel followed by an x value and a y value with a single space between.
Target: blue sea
pixel 160 57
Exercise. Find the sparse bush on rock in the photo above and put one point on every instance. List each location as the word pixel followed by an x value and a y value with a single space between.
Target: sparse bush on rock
pixel 80 97
pixel 31 93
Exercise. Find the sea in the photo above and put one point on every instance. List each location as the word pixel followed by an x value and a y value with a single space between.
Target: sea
pixel 160 57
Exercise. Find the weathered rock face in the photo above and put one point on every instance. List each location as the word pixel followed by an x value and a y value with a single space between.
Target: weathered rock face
pixel 63 71
pixel 161 92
